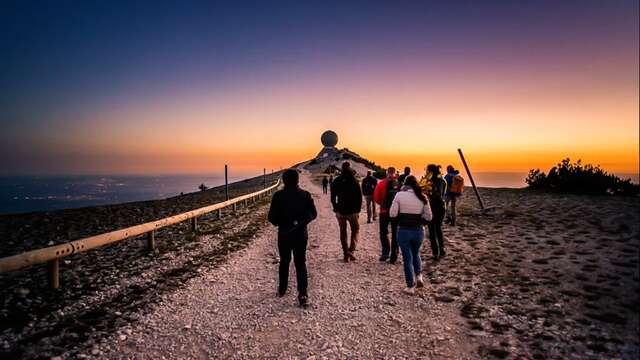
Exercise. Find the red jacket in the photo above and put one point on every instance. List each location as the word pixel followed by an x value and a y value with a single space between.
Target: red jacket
pixel 380 193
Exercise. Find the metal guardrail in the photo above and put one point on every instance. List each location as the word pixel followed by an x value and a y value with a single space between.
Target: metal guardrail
pixel 52 254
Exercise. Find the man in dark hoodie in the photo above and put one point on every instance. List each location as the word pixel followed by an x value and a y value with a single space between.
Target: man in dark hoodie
pixel 291 210
pixel 346 199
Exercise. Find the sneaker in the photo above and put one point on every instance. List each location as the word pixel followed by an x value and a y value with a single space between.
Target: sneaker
pixel 303 300
pixel 409 291
pixel 393 260
pixel 347 258
pixel 351 257
pixel 384 258
pixel 419 281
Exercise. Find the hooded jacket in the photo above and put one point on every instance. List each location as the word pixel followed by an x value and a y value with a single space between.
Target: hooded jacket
pixel 291 210
pixel 346 195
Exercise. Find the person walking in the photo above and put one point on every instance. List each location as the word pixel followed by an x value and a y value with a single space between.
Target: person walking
pixel 368 187
pixel 403 176
pixel 412 211
pixel 383 195
pixel 434 186
pixel 455 186
pixel 346 199
pixel 325 185
pixel 291 210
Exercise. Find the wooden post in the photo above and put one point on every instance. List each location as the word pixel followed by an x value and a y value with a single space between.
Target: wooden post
pixel 264 178
pixel 54 273
pixel 226 182
pixel 235 207
pixel 151 240
pixel 219 214
pixel 475 189
pixel 194 224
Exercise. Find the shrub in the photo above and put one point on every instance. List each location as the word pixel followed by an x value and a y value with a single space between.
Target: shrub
pixel 577 178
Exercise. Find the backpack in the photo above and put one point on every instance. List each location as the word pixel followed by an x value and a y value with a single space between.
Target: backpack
pixel 393 187
pixel 457 185
pixel 368 186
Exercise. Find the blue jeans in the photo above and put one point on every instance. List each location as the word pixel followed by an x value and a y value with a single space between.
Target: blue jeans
pixel 410 241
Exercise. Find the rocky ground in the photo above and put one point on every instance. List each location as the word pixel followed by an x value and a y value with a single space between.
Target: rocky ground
pixel 22 232
pixel 101 288
pixel 538 276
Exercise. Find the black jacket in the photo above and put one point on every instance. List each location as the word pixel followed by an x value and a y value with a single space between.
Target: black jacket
pixel 291 210
pixel 346 196
pixel 369 185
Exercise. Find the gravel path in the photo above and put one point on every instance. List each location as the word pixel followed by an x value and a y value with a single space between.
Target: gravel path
pixel 357 309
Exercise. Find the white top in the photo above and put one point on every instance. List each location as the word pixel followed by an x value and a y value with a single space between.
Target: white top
pixel 406 202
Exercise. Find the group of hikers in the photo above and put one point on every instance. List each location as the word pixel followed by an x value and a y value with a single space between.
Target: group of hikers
pixel 405 206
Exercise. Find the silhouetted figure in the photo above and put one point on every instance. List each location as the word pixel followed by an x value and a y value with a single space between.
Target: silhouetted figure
pixel 325 185
pixel 455 186
pixel 403 176
pixel 434 186
pixel 291 210
pixel 412 211
pixel 383 195
pixel 346 199
pixel 368 188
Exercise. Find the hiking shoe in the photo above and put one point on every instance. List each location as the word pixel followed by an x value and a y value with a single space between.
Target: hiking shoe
pixel 303 300
pixel 419 281
pixel 409 291
pixel 384 258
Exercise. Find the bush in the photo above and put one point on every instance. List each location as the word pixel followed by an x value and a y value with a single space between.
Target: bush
pixel 576 178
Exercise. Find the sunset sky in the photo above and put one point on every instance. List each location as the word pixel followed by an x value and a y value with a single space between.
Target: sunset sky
pixel 110 87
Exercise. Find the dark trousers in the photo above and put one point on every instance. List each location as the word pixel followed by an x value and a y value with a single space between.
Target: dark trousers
pixel 385 222
pixel 324 189
pixel 297 244
pixel 435 232
pixel 352 220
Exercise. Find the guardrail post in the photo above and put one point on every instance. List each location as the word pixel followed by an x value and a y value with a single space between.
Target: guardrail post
pixel 194 224
pixel 54 273
pixel 226 182
pixel 219 214
pixel 151 240
pixel 235 207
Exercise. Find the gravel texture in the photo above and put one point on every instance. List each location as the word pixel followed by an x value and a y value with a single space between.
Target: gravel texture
pixel 357 309
pixel 538 276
